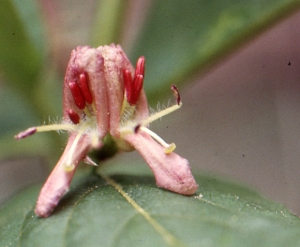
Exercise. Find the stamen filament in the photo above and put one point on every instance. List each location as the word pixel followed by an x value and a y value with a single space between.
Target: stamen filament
pixel 94 109
pixel 124 104
pixel 169 148
pixel 44 128
pixel 69 166
pixel 161 114
pixel 95 143
pixel 87 112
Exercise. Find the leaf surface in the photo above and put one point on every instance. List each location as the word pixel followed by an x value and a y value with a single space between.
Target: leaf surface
pixel 129 210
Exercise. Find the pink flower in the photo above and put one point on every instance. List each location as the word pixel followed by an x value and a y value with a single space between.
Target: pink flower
pixel 103 94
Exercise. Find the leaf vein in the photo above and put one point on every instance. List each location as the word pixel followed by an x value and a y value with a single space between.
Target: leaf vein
pixel 166 235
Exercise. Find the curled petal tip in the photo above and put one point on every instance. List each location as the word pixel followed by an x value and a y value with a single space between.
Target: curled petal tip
pixel 60 178
pixel 171 171
pixel 178 178
pixel 42 213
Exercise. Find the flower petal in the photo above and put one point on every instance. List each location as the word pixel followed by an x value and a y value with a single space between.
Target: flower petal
pixel 90 61
pixel 115 61
pixel 142 110
pixel 59 180
pixel 171 171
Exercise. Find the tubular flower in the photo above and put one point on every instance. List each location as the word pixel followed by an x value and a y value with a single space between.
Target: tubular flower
pixel 103 94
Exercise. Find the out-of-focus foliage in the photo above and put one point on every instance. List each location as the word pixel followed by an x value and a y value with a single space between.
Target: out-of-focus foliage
pixel 21 41
pixel 184 37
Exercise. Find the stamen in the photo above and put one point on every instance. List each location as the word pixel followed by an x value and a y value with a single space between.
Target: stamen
pixel 140 66
pixel 25 133
pixel 67 127
pixel 73 116
pixel 167 110
pixel 87 112
pixel 129 128
pixel 169 148
pixel 176 94
pixel 136 129
pixel 137 87
pixel 134 86
pixel 84 85
pixel 69 166
pixel 161 114
pixel 95 142
pixel 44 128
pixel 94 109
pixel 127 83
pixel 77 95
pixel 127 79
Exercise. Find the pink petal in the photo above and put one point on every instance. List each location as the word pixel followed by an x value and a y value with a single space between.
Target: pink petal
pixel 59 180
pixel 115 61
pixel 90 61
pixel 171 171
pixel 142 110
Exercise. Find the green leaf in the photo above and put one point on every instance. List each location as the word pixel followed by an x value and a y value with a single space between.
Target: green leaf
pixel 181 38
pixel 12 216
pixel 129 210
pixel 21 43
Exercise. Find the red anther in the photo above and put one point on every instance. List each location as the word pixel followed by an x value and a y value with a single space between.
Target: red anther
pixel 127 82
pixel 84 85
pixel 176 94
pixel 137 87
pixel 73 116
pixel 77 95
pixel 136 128
pixel 25 133
pixel 140 66
pixel 133 87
